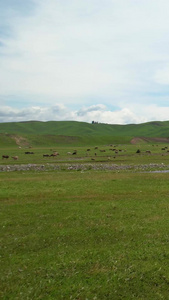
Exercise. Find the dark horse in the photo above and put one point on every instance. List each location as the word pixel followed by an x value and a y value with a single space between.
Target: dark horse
pixel 5 156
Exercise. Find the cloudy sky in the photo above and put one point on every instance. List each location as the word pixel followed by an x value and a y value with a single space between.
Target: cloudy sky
pixel 101 60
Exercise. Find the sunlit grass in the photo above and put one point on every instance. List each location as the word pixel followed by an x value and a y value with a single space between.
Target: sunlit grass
pixel 126 155
pixel 84 235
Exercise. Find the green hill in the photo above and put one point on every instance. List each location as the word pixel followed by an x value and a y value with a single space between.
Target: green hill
pixel 37 133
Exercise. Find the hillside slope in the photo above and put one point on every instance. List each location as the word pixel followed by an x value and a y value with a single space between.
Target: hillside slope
pixel 74 128
pixel 72 132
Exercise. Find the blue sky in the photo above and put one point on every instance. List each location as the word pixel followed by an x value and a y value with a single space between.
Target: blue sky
pixel 101 60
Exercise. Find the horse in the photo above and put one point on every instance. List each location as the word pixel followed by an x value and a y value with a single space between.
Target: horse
pixel 5 156
pixel 15 157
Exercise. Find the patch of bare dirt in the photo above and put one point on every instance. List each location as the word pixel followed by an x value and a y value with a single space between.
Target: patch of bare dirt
pixel 139 140
pixel 160 140
pixel 20 141
pixel 136 141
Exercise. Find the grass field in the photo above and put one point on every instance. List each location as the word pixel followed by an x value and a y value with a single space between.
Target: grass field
pixel 123 155
pixel 69 133
pixel 85 234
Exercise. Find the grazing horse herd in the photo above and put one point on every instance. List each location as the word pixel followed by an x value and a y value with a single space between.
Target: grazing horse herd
pixel 54 154
pixel 7 156
pixel 30 152
pixel 50 155
pixel 74 152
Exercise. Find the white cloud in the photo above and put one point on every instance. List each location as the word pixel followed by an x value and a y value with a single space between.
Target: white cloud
pixel 78 52
pixel 98 113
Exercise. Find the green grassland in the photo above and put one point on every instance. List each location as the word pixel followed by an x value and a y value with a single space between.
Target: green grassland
pixel 120 154
pixel 74 128
pixel 84 234
pixel 68 133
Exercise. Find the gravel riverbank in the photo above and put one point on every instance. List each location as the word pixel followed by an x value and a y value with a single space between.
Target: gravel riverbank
pixel 84 166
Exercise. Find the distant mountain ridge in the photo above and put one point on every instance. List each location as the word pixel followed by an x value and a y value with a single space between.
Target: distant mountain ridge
pixel 62 132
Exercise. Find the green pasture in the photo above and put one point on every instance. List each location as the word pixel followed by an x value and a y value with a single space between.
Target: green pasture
pixel 84 235
pixel 69 133
pixel 82 129
pixel 125 154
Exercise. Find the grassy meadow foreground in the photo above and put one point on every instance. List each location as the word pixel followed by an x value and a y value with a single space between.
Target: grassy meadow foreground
pixel 90 234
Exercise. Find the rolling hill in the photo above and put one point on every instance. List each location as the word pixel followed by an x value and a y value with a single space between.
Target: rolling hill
pixel 36 133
